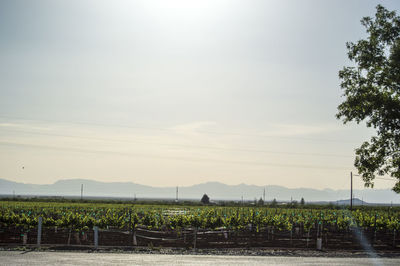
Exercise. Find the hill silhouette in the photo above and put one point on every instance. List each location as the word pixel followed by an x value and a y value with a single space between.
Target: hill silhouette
pixel 215 190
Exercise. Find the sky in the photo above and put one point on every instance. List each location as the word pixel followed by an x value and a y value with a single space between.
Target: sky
pixel 176 93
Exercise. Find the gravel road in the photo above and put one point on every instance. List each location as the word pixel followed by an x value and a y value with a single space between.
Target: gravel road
pixel 85 258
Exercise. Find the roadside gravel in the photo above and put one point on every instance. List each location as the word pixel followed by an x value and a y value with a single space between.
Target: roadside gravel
pixel 221 252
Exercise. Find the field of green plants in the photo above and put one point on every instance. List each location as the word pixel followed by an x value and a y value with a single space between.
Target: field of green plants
pixel 84 216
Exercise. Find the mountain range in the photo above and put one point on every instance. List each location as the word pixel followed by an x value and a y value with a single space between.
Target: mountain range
pixel 215 190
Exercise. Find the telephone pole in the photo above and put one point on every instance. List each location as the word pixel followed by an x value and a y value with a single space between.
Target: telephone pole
pixel 351 191
pixel 264 196
pixel 81 191
pixel 176 198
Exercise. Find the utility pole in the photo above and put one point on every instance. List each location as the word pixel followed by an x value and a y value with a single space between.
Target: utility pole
pixel 351 191
pixel 264 196
pixel 81 191
pixel 176 199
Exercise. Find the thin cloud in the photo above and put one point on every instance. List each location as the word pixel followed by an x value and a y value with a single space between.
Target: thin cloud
pixel 23 126
pixel 288 130
pixel 194 127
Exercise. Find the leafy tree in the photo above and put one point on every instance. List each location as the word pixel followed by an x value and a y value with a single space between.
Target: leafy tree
pixel 205 199
pixel 260 202
pixel 274 203
pixel 302 202
pixel 372 94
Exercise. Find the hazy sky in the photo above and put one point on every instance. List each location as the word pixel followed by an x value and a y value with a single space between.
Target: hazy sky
pixel 178 92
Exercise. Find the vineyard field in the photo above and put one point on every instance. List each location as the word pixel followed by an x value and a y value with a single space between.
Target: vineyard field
pixel 167 225
pixel 83 216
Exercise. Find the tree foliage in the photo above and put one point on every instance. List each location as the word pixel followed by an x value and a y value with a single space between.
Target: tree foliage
pixel 205 199
pixel 260 202
pixel 372 94
pixel 274 203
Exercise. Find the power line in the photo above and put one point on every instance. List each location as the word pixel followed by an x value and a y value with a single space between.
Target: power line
pixel 383 178
pixel 171 129
pixel 184 145
pixel 191 159
pixel 386 178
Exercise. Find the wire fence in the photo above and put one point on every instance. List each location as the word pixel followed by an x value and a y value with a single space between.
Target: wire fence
pixel 316 238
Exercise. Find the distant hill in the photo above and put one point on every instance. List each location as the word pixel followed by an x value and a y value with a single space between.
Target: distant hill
pixel 356 202
pixel 215 190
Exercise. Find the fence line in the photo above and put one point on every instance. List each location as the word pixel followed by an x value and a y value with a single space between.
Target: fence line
pixel 204 238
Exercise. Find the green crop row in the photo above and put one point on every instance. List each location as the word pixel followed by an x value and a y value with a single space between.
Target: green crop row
pixel 83 216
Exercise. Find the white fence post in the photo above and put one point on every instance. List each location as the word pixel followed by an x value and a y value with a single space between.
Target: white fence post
pixel 134 238
pixel 25 238
pixel 319 237
pixel 319 243
pixel 96 236
pixel 291 236
pixel 195 239
pixel 39 231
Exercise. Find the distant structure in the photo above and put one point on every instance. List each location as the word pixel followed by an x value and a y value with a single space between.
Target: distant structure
pixel 81 191
pixel 264 195
pixel 176 198
pixel 274 202
pixel 205 199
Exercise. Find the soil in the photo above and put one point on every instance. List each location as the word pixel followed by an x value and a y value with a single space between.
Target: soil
pixel 225 252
